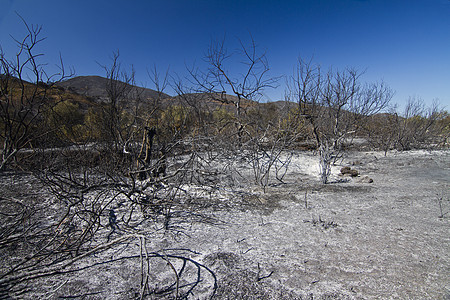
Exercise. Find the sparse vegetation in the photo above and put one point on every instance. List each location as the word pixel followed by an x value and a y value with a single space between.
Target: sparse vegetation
pixel 121 172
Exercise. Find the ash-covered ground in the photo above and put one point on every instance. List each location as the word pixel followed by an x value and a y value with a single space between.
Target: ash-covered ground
pixel 300 239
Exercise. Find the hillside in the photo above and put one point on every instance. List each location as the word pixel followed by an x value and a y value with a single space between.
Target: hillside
pixel 95 87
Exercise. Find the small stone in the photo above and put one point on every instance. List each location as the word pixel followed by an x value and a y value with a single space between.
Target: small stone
pixel 349 171
pixel 365 179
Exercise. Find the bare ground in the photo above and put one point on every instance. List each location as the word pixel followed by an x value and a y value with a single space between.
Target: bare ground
pixel 297 240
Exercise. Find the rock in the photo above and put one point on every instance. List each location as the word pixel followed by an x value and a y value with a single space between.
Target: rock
pixel 349 171
pixel 365 179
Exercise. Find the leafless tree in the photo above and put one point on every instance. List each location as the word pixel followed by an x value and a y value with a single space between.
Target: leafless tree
pixel 418 125
pixel 272 135
pixel 381 130
pixel 101 198
pixel 236 80
pixel 335 104
pixel 122 105
pixel 236 87
pixel 24 94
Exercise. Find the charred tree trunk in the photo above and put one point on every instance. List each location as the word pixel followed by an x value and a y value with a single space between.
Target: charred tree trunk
pixel 147 143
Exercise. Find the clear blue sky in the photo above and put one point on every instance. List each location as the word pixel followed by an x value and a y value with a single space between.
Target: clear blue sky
pixel 405 43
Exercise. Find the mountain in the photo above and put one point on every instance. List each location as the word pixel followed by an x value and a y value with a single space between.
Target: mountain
pixel 95 87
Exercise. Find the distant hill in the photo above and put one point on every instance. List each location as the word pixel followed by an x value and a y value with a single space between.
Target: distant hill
pixel 95 87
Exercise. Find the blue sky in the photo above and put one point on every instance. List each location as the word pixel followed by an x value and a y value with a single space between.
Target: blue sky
pixel 405 43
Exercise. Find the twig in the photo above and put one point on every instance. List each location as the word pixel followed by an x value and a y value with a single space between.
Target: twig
pixel 259 278
pixel 306 200
pixel 176 274
pixel 50 294
pixel 58 269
